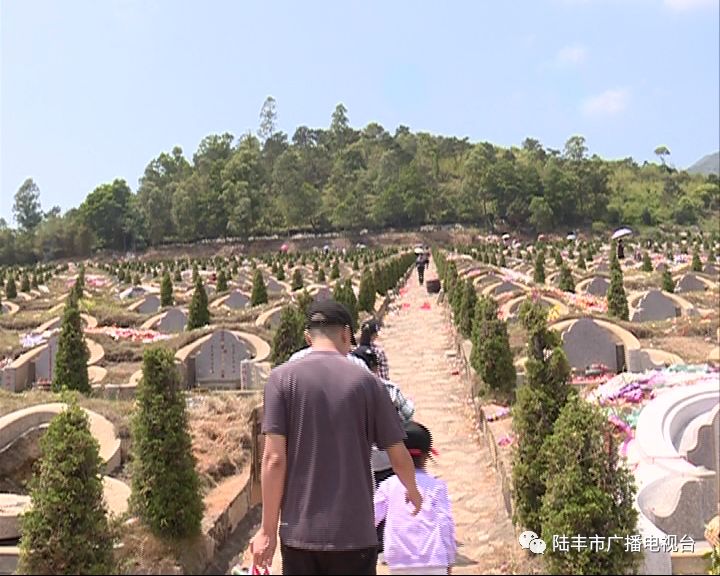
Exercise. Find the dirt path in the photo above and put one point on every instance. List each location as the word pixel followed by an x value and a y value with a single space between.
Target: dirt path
pixel 416 340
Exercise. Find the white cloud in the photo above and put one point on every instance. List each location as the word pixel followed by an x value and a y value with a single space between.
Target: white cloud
pixel 607 103
pixel 571 55
pixel 682 5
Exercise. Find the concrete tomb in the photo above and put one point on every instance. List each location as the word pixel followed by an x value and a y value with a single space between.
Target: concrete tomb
pixel 585 343
pixel 218 363
pixel 598 286
pixel 690 283
pixel 237 300
pixel 150 305
pixel 173 321
pixel 655 306
pixel 506 287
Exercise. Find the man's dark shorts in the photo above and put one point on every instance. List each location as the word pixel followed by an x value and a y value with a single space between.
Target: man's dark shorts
pixel 353 562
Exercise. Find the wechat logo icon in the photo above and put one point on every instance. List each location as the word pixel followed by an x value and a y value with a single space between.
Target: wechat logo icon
pixel 530 540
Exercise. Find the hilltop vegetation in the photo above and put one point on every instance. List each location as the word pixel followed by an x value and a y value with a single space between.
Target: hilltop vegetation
pixel 342 178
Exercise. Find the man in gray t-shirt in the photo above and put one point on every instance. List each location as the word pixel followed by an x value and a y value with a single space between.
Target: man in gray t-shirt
pixel 322 414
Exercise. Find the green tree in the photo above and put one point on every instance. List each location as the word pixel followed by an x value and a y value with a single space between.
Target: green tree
pixel 177 276
pixel 72 355
pixel 668 284
pixel 66 530
pixel 35 280
pixel 321 276
pixel 647 263
pixel 616 298
pixel 297 280
pixel 467 309
pixel 581 261
pixel 166 290
pixel 588 492
pixel 696 263
pixel 541 214
pixel 539 273
pixel 335 271
pixel 259 291
pixel 289 336
pixel 366 297
pixel 10 287
pixel 26 208
pixel 345 294
pixel 491 357
pixel 558 257
pixel 539 401
pixel 199 314
pixel 25 283
pixel 222 282
pixel 280 273
pixel 268 119
pixel 567 282
pixel 165 484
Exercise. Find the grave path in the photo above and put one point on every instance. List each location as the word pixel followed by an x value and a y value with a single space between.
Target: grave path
pixel 416 340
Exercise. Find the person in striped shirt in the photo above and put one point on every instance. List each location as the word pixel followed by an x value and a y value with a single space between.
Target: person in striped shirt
pixel 368 337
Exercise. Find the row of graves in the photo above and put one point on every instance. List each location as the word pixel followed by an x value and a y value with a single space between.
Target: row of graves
pixel 126 308
pixel 664 405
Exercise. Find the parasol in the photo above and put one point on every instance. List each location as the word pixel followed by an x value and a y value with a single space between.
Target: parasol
pixel 621 232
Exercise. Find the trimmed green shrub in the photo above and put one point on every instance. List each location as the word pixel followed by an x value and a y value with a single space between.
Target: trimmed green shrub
pixel 66 531
pixel 165 484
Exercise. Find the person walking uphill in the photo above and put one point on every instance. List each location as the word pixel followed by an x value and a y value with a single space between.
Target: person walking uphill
pixel 424 544
pixel 420 264
pixel 322 414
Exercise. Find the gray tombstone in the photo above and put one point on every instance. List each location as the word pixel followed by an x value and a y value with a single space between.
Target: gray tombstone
pixel 322 294
pixel 173 321
pixel 661 267
pixel 218 363
pixel 489 279
pixel 598 286
pixel 586 343
pixel 273 286
pixel 690 283
pixel 150 305
pixel 45 360
pixel 237 300
pixel 506 287
pixel 710 269
pixel 706 447
pixel 602 267
pixel 210 289
pixel 655 306
pixel 273 320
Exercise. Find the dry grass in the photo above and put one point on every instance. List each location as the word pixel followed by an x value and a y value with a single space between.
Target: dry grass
pixel 141 552
pixel 118 412
pixel 9 343
pixel 120 373
pixel 219 424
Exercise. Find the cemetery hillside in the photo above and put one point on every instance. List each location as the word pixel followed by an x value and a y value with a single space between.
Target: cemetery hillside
pixel 552 317
pixel 342 178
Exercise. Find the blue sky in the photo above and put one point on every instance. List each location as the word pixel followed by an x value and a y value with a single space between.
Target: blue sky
pixel 93 90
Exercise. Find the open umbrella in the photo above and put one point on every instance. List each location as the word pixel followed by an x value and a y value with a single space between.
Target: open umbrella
pixel 571 236
pixel 506 236
pixel 419 251
pixel 621 232
pixel 284 248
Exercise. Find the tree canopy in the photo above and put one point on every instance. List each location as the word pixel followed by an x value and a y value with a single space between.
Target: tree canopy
pixel 343 178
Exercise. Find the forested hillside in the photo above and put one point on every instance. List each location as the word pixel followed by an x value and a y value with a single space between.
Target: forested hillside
pixel 343 178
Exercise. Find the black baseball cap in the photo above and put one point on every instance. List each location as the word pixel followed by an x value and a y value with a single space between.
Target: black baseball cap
pixel 330 313
pixel 419 439
pixel 367 355
pixel 371 327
